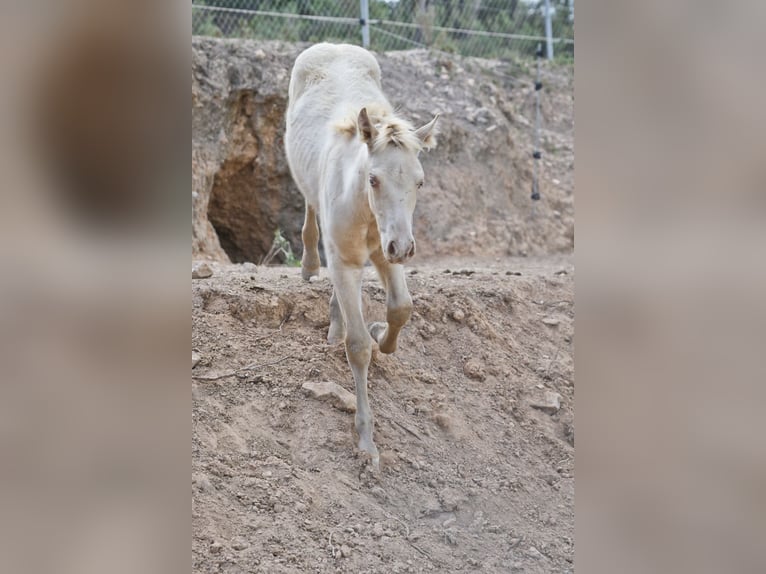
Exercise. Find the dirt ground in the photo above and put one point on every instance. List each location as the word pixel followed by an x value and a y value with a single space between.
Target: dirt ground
pixel 473 476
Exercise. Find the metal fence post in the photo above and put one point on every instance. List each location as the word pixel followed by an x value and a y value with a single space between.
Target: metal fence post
pixel 364 20
pixel 548 29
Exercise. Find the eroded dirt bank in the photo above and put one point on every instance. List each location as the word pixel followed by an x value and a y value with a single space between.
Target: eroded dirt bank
pixel 477 474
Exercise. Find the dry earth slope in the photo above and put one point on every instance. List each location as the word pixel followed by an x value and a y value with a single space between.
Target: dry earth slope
pixel 477 467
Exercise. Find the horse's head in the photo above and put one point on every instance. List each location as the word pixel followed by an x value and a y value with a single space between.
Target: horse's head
pixel 395 176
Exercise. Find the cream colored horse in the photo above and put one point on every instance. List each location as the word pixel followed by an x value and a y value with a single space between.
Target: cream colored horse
pixel 356 164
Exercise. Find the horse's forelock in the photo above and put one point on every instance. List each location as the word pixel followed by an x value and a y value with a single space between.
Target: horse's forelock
pixel 397 132
pixel 392 131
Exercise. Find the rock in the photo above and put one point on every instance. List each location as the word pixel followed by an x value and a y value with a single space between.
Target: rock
pixel 458 315
pixel 345 551
pixel 451 500
pixel 377 530
pixel 201 271
pixel 339 397
pixel 449 522
pixel 378 492
pixel 473 369
pixel 550 321
pixel 239 543
pixel 535 553
pixel 215 548
pixel 550 403
pixel 195 359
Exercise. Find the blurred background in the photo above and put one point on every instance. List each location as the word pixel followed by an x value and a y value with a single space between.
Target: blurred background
pixel 486 28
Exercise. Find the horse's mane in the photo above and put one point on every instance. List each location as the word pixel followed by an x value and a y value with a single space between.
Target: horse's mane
pixel 392 130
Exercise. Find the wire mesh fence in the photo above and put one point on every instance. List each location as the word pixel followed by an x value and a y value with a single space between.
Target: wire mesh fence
pixel 484 28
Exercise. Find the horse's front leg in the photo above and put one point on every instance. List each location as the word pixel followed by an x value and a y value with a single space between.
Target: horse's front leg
pixel 398 303
pixel 347 283
pixel 310 236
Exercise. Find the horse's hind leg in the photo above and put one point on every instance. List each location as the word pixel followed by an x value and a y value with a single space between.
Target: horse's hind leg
pixel 337 332
pixel 310 235
pixel 398 303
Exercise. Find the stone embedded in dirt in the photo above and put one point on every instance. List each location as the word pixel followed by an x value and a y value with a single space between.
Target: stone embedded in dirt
pixel 339 397
pixel 550 403
pixel 458 315
pixel 345 551
pixel 535 553
pixel 377 530
pixel 473 369
pixel 444 421
pixel 216 547
pixel 239 543
pixel 201 271
pixel 195 359
pixel 551 321
pixel 451 499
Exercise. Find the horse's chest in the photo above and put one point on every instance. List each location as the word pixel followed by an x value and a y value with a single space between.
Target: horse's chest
pixel 373 237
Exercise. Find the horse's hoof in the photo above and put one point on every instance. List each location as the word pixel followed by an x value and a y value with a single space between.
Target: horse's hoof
pixel 372 450
pixel 377 330
pixel 307 274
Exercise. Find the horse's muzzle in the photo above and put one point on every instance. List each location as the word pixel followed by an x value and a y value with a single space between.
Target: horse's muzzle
pixel 399 252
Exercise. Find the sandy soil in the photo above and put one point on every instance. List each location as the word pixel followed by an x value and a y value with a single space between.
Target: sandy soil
pixel 473 476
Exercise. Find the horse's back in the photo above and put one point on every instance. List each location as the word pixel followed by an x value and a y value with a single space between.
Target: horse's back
pixel 333 66
pixel 326 82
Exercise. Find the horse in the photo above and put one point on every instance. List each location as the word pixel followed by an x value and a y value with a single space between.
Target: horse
pixel 356 163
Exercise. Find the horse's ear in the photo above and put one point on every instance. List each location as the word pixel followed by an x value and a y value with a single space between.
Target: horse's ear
pixel 367 131
pixel 427 133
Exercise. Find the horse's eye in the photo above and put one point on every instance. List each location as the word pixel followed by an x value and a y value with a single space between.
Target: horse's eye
pixel 374 181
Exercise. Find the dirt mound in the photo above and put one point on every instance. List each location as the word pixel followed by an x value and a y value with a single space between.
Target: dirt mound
pixel 478 180
pixel 474 419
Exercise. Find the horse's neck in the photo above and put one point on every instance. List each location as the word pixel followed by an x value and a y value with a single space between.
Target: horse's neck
pixel 357 174
pixel 346 173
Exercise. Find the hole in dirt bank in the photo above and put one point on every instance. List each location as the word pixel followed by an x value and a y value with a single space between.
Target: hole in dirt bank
pixel 253 194
pixel 244 217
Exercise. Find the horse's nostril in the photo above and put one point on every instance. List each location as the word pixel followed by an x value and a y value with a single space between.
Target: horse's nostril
pixel 411 252
pixel 391 248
